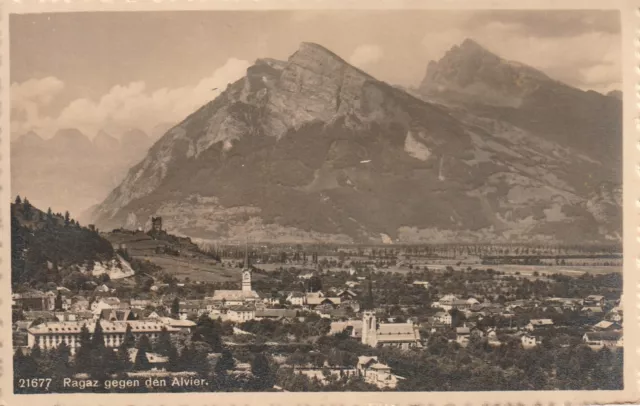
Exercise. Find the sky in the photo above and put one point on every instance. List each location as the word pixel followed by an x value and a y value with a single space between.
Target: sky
pixel 121 70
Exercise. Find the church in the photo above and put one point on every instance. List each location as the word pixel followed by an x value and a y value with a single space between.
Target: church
pixel 400 335
pixel 246 295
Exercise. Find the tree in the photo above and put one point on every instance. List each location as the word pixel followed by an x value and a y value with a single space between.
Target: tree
pixel 18 200
pixel 175 307
pixel 144 343
pixel 173 359
pixel 58 302
pixel 97 340
pixel 164 344
pixel 141 362
pixel 262 371
pixel 315 284
pixel 129 340
pixel 226 362
pixel 49 214
pixel 123 357
pixel 208 331
pixel 66 218
pixel 83 354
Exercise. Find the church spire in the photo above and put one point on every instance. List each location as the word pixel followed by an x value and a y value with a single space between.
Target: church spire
pixel 368 301
pixel 247 265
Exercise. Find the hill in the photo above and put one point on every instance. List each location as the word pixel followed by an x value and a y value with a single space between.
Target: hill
pixel 48 247
pixel 314 149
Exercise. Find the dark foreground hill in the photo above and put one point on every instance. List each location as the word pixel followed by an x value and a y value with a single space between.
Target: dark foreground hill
pixel 47 247
pixel 314 149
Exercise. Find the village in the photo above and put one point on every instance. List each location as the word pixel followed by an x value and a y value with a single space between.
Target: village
pixel 329 327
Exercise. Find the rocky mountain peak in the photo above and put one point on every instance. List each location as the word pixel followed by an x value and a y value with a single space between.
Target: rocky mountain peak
pixel 472 71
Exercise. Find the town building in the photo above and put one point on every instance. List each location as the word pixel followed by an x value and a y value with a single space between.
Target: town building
pixel 51 334
pixel 402 335
pixel 240 314
pixel 529 341
pixel 535 324
pixel 34 300
pixel 599 339
pixel 296 298
pixel 376 373
pixel 243 296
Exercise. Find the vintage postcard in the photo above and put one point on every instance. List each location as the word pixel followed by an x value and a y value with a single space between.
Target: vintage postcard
pixel 380 203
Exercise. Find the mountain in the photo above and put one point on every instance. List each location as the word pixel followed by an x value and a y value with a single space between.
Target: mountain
pixel 70 171
pixel 314 149
pixel 69 140
pixel 135 138
pixel 472 77
pixel 617 94
pixel 104 141
pixel 29 140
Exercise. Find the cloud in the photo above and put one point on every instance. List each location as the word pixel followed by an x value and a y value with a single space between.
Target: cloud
pixel 366 55
pixel 123 107
pixel 28 98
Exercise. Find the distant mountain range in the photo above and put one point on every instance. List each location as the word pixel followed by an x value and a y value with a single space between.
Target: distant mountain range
pixel 70 171
pixel 314 149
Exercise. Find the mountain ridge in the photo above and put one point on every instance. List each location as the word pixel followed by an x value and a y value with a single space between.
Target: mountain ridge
pixel 313 148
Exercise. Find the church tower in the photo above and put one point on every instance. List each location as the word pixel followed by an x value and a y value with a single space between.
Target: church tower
pixel 369 328
pixel 246 271
pixel 369 323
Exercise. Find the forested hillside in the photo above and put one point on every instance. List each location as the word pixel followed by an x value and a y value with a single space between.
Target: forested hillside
pixel 52 247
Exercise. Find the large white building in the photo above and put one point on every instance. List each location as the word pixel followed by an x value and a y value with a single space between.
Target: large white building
pixel 51 334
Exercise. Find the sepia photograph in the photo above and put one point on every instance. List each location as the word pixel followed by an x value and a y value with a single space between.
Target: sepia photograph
pixel 316 201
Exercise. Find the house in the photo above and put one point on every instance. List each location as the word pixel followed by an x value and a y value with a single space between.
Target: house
pixel 492 338
pixel 352 327
pixel 79 303
pixel 443 318
pixel 275 314
pixel 423 284
pixel 346 294
pixel 593 300
pixel 140 303
pixel 296 298
pixel 318 373
pixel 529 341
pixel 240 314
pixel 462 335
pixel 155 361
pixel 376 373
pixel 177 325
pixel 599 339
pixel 306 276
pixel 34 300
pixel 615 315
pixel 102 289
pixel 321 301
pixel 535 324
pixel 104 303
pixel 592 310
pixel 606 325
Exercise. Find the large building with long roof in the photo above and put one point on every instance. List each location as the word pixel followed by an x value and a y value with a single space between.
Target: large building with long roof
pixel 51 334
